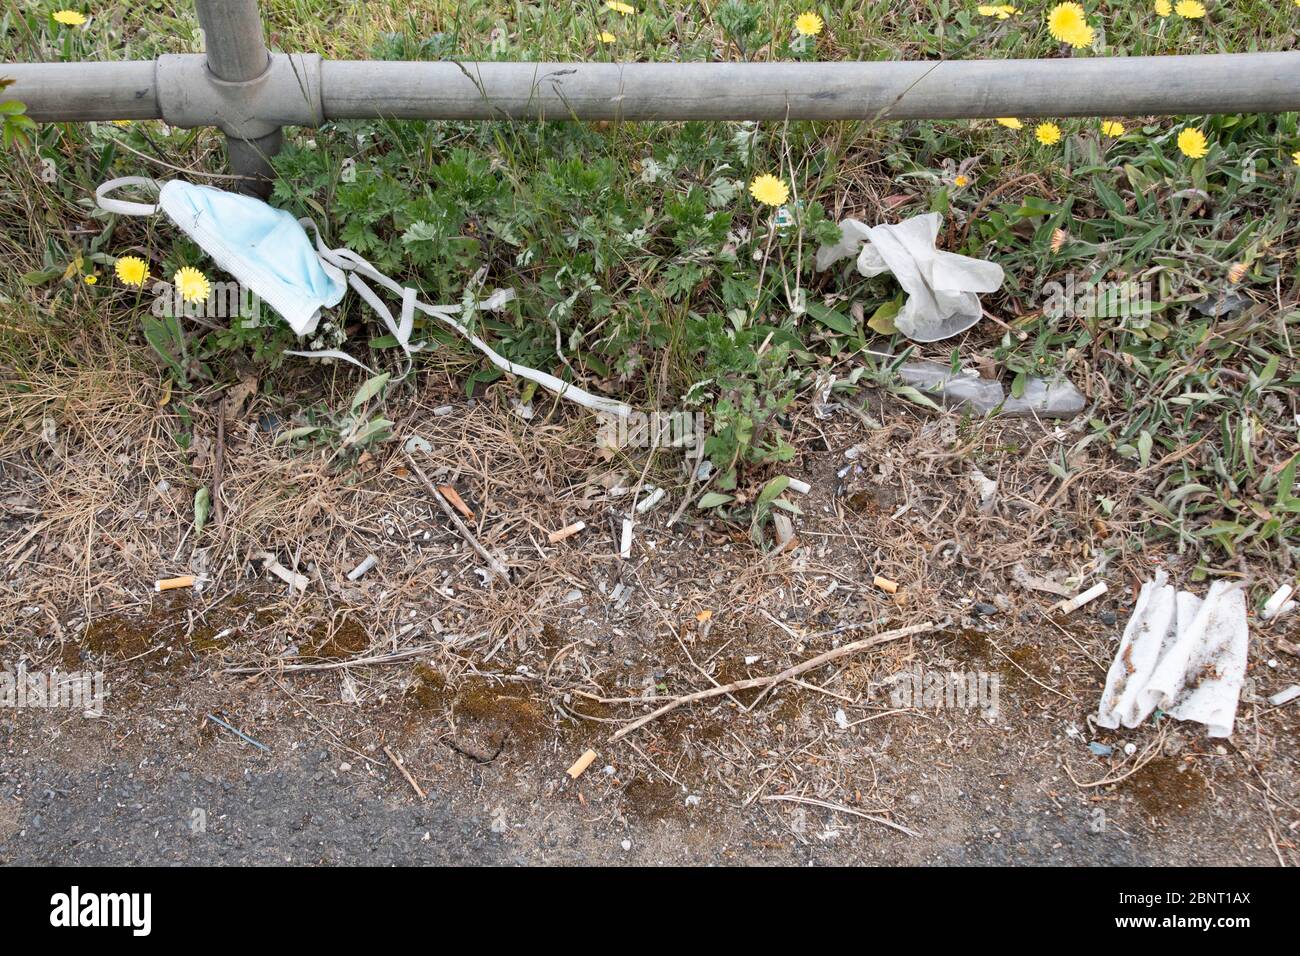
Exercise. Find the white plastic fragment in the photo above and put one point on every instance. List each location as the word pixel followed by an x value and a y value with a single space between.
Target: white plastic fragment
pixel 1028 581
pixel 296 581
pixel 367 564
pixel 1043 397
pixel 986 487
pixel 1285 696
pixel 348 690
pixel 1182 654
pixel 1073 604
pixel 620 601
pixel 799 487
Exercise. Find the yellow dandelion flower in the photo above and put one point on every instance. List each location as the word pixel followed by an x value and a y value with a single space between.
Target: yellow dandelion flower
pixel 1001 11
pixel 1112 128
pixel 131 270
pixel 809 24
pixel 1190 9
pixel 1295 157
pixel 69 18
pixel 1164 7
pixel 961 181
pixel 624 8
pixel 1049 134
pixel 769 190
pixel 91 279
pixel 1010 122
pixel 607 37
pixel 192 284
pixel 1067 23
pixel 1192 143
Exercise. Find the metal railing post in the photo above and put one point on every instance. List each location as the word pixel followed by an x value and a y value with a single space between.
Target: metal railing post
pixel 236 53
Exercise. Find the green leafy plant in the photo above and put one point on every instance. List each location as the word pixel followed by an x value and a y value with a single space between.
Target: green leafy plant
pixel 15 125
pixel 348 432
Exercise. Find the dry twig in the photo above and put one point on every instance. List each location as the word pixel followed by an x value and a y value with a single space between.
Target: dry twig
pixel 774 679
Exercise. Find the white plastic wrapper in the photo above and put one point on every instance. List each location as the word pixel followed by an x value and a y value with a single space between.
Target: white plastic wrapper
pixel 941 286
pixel 1182 654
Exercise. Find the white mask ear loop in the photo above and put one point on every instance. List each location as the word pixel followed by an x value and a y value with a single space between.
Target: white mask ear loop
pixel 125 207
pixel 352 263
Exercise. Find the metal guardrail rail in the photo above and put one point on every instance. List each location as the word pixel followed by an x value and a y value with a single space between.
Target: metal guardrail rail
pixel 251 93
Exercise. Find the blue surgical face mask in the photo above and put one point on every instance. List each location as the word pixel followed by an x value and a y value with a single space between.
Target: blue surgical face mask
pixel 263 247
pixel 268 251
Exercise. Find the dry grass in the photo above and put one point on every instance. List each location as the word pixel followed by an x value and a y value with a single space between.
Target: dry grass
pixel 522 676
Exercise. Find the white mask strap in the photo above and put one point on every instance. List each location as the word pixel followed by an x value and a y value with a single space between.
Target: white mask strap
pixel 349 261
pixel 124 207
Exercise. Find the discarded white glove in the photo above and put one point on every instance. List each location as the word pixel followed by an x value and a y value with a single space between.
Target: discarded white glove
pixel 1182 654
pixel 940 286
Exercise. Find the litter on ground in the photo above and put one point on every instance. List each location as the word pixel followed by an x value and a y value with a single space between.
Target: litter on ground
pixel 1182 654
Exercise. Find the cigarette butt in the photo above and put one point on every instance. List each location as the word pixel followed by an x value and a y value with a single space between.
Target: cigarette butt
pixel 568 531
pixel 170 584
pixel 655 496
pixel 625 546
pixel 362 568
pixel 1286 608
pixel 1074 603
pixel 885 584
pixel 800 487
pixel 581 764
pixel 1277 700
pixel 452 496
pixel 784 529
pixel 1277 605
